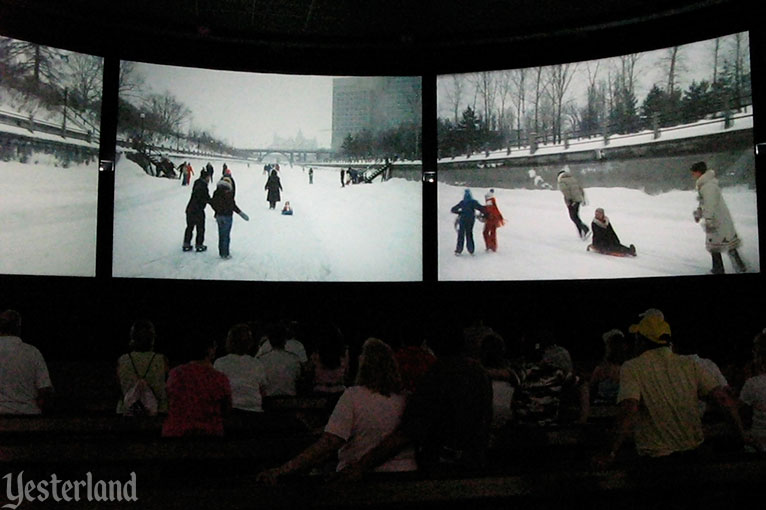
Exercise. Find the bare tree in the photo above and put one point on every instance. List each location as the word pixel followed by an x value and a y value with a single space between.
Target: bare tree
pixel 455 91
pixel 674 66
pixel 519 77
pixel 85 79
pixel 168 113
pixel 486 89
pixel 560 76
pixel 130 81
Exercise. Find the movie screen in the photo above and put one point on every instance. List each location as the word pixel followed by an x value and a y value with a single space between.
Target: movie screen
pixel 50 109
pixel 584 170
pixel 227 175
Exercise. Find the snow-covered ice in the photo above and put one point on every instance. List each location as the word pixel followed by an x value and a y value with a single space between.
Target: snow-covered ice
pixel 540 242
pixel 363 232
pixel 48 218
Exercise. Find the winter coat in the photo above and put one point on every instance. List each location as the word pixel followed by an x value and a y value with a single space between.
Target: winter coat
pixel 273 186
pixel 200 197
pixel 714 215
pixel 604 236
pixel 571 188
pixel 466 210
pixel 223 199
pixel 493 216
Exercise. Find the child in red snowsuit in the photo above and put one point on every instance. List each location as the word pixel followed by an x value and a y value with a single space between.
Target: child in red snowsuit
pixel 493 219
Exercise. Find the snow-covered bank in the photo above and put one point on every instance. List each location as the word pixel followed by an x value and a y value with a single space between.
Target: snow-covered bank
pixel 365 232
pixel 539 242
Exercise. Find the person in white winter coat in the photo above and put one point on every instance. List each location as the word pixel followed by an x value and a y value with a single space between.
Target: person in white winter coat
pixel 574 196
pixel 713 214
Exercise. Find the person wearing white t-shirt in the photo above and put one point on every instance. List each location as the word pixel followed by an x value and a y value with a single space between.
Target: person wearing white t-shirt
pixel 246 374
pixel 365 414
pixel 283 369
pixel 25 385
pixel 291 345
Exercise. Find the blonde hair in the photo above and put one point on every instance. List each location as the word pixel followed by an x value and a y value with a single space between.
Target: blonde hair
pixel 378 370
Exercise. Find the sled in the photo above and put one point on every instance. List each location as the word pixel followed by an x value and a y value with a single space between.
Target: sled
pixel 590 248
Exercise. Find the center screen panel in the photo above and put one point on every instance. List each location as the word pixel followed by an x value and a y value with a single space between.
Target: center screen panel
pixel 583 170
pixel 224 175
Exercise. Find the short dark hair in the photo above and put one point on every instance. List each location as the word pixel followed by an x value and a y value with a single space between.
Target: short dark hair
pixel 10 322
pixel 699 166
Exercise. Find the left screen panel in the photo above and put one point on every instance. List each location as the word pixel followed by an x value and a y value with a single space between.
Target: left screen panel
pixel 224 175
pixel 50 108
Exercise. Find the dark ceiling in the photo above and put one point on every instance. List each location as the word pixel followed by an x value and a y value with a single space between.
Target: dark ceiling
pixel 418 32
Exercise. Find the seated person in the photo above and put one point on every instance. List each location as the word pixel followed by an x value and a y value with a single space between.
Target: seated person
pixel 283 368
pixel 365 414
pixel 246 374
pixel 328 366
pixel 142 362
pixel 413 357
pixel 753 394
pixel 199 396
pixel 605 379
pixel 25 385
pixel 291 345
pixel 604 237
pixel 493 358
pixel 287 210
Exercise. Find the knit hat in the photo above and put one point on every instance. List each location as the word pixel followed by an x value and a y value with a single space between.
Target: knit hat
pixel 653 328
pixel 490 194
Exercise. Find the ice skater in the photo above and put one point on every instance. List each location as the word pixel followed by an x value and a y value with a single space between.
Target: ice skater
pixel 466 216
pixel 574 196
pixel 605 239
pixel 195 212
pixel 493 219
pixel 224 205
pixel 273 187
pixel 720 234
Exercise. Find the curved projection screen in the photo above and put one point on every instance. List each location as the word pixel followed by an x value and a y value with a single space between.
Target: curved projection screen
pixel 50 109
pixel 627 129
pixel 346 151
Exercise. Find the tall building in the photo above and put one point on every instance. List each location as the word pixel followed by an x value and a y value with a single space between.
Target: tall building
pixel 374 104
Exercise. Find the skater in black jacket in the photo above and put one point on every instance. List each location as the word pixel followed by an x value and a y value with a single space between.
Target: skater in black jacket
pixel 224 205
pixel 195 212
pixel 605 239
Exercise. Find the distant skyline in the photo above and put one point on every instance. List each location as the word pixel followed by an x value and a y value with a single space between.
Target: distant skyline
pixel 247 110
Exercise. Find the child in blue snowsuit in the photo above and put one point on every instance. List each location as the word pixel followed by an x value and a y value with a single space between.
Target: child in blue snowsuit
pixel 466 216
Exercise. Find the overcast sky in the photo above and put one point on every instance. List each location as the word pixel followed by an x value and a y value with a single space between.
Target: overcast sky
pixel 247 109
pixel 696 61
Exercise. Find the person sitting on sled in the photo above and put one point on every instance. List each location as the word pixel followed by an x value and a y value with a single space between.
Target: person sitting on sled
pixel 605 239
pixel 287 210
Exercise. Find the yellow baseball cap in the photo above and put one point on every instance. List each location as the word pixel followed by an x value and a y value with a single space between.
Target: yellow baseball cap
pixel 653 327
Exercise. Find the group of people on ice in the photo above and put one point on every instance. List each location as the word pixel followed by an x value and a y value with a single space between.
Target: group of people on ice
pixel 488 213
pixel 223 202
pixel 712 212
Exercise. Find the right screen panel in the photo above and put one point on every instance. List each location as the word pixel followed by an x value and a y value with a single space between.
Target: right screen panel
pixel 584 170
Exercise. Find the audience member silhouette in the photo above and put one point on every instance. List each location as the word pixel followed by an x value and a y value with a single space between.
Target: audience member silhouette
pixel 142 362
pixel 363 416
pixel 25 384
pixel 199 396
pixel 448 417
pixel 246 374
pixel 283 369
pixel 658 398
pixel 753 394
